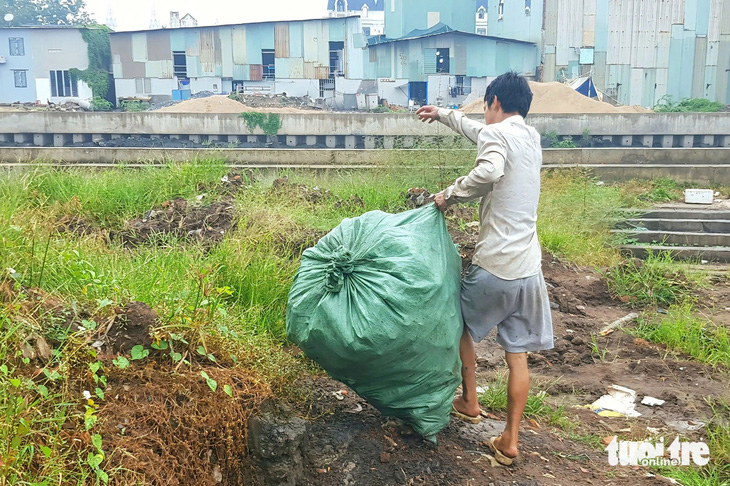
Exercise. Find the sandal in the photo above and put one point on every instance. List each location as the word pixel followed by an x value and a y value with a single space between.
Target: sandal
pixel 465 417
pixel 498 455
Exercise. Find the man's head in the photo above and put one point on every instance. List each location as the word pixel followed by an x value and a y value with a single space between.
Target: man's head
pixel 507 95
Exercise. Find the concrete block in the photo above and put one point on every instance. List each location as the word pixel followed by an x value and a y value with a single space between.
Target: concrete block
pixel 389 143
pixel 252 139
pixel 4 137
pixel 647 140
pixel 154 136
pixel 21 137
pixel 350 142
pixel 668 141
pixel 330 141
pixel 42 139
pixel 725 141
pixel 98 137
pixel 196 138
pixel 116 136
pixel 708 140
pixel 311 140
pixel 175 137
pixel 627 140
pixel 369 142
pixel 81 137
pixel 688 141
pixel 607 138
pixel 291 140
pixel 235 139
pixel 409 142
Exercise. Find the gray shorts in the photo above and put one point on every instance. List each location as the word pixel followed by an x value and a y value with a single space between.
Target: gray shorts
pixel 519 309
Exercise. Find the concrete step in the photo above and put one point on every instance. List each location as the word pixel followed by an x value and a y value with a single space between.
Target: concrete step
pixel 676 237
pixel 717 254
pixel 681 225
pixel 687 214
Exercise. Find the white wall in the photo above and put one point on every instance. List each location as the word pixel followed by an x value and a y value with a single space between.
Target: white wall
pixel 395 92
pixel 162 87
pixel 43 89
pixel 297 87
pixel 345 91
pixel 206 84
pixel 125 88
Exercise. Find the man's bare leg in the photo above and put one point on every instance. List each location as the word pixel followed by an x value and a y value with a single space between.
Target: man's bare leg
pixel 518 387
pixel 468 402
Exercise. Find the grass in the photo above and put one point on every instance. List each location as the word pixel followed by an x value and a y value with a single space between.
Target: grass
pixel 234 293
pixel 494 398
pixel 702 105
pixel 682 329
pixel 658 280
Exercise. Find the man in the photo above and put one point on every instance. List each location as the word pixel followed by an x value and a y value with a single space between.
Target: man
pixel 504 286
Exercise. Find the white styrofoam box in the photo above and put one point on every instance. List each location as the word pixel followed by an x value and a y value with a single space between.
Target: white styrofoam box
pixel 698 196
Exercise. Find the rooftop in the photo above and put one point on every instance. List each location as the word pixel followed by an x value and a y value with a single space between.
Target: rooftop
pixel 438 29
pixel 353 5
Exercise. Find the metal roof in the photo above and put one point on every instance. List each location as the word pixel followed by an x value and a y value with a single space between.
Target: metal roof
pixel 375 5
pixel 438 29
pixel 234 25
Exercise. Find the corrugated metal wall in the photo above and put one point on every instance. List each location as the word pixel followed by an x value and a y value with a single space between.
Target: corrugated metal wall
pixel 643 50
pixel 301 50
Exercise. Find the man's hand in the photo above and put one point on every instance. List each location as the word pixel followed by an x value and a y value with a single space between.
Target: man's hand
pixel 428 114
pixel 441 202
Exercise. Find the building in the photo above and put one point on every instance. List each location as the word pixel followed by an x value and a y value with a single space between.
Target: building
pixel 519 19
pixel 371 12
pixel 35 64
pixel 405 16
pixel 636 52
pixel 444 66
pixel 481 17
pixel 186 21
pixel 300 58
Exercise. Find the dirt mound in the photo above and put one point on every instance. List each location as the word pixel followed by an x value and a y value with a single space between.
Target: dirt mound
pixel 555 97
pixel 131 327
pixel 206 225
pixel 222 104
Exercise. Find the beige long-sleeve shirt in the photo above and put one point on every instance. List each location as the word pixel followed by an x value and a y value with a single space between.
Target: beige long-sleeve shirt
pixel 506 176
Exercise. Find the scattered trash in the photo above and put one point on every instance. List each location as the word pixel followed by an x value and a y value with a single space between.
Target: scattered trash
pixel 473 224
pixel 357 409
pixel 338 395
pixel 200 197
pixel 686 425
pixel 619 402
pixel 618 323
pixel 662 311
pixel 600 183
pixel 652 402
pixel 321 470
pixel 662 479
pixel 704 262
pixel 652 430
pixel 607 440
pixel 548 475
pixel 481 389
pixel 217 474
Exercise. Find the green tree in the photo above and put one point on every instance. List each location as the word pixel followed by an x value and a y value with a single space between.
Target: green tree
pixel 45 12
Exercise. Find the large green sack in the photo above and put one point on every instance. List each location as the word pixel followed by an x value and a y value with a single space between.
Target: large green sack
pixel 376 304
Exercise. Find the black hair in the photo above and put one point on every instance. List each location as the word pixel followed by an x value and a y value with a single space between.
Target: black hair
pixel 512 91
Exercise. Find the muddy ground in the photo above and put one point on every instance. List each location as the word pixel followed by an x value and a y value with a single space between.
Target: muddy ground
pixel 175 432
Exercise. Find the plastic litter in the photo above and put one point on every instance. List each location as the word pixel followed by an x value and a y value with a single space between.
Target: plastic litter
pixel 619 402
pixel 652 402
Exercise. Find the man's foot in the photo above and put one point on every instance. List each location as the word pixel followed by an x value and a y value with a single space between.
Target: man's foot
pixel 501 445
pixel 467 408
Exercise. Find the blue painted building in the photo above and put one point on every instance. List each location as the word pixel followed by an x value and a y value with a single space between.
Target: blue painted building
pixel 636 51
pixel 35 64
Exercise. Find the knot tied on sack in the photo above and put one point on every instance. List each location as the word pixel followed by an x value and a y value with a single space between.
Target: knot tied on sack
pixel 340 265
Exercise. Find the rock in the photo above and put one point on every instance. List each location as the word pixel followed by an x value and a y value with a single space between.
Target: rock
pixel 385 457
pixel 577 341
pixel 568 337
pixel 275 445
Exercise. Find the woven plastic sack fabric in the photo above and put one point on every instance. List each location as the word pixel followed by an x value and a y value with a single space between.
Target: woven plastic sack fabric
pixel 376 304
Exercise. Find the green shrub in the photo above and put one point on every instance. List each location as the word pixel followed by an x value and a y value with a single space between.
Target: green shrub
pixel 702 105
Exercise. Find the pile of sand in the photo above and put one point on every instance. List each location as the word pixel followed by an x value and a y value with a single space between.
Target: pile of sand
pixel 555 97
pixel 221 104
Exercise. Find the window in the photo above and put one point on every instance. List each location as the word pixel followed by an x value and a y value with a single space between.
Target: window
pixel 442 61
pixel 340 5
pixel 17 46
pixel 179 64
pixel 326 88
pixel 143 85
pixel 501 10
pixel 62 85
pixel 268 60
pixel 482 31
pixel 366 31
pixel 21 78
pixel 481 13
pixel 337 69
pixel 528 7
